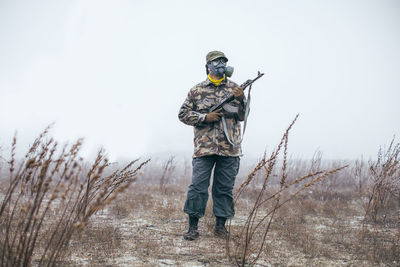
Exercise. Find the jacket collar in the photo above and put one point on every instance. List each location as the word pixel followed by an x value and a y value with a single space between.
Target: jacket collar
pixel 207 82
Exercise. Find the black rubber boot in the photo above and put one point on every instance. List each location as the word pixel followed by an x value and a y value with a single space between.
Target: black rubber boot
pixel 192 234
pixel 220 230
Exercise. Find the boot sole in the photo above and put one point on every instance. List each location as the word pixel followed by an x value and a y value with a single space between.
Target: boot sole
pixel 190 238
pixel 221 235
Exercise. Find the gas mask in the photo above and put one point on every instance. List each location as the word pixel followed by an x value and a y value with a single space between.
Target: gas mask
pixel 218 68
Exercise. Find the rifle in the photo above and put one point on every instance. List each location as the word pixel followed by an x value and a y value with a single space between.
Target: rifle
pixel 230 97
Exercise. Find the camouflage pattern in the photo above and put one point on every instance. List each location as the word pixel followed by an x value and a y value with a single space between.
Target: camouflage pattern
pixel 214 55
pixel 209 138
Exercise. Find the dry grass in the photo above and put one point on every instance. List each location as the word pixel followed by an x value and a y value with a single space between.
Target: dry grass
pixel 326 224
pixel 49 195
pixel 385 190
pixel 307 231
pixel 248 243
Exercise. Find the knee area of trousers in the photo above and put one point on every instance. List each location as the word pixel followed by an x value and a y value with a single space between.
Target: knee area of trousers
pixel 197 191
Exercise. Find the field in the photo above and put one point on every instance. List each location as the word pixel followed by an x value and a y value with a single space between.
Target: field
pixel 63 211
pixel 322 227
pixel 144 229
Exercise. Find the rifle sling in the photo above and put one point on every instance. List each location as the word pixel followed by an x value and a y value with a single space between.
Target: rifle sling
pixel 246 114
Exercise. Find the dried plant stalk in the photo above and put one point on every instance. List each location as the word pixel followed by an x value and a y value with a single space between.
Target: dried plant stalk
pixel 385 188
pixel 50 195
pixel 244 250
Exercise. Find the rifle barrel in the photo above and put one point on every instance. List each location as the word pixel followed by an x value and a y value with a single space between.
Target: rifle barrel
pixel 248 82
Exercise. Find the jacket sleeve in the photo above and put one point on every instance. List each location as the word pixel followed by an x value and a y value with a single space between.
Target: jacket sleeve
pixel 188 114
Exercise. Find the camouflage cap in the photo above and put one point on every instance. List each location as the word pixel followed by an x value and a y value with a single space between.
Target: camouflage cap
pixel 214 55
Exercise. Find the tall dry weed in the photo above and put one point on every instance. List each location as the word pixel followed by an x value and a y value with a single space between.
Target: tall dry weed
pixel 384 192
pixel 359 174
pixel 49 195
pixel 167 169
pixel 246 248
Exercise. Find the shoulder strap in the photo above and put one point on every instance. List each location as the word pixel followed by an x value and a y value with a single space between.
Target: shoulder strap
pixel 246 114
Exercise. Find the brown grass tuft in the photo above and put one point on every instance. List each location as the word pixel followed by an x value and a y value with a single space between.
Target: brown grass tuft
pixel 50 195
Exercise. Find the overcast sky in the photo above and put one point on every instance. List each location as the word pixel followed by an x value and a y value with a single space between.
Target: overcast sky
pixel 117 72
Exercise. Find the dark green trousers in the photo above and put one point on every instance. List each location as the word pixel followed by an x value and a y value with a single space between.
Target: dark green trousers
pixel 225 171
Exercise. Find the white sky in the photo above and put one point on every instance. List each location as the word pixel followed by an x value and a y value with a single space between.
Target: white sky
pixel 116 72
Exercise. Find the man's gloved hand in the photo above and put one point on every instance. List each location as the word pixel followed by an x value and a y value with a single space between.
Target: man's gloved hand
pixel 238 93
pixel 213 116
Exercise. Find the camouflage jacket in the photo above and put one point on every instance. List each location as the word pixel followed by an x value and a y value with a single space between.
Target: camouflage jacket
pixel 209 138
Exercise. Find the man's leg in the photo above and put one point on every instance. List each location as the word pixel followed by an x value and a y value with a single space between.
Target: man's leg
pixel 197 195
pixel 226 169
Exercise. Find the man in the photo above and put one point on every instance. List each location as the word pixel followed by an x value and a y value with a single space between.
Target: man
pixel 214 147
